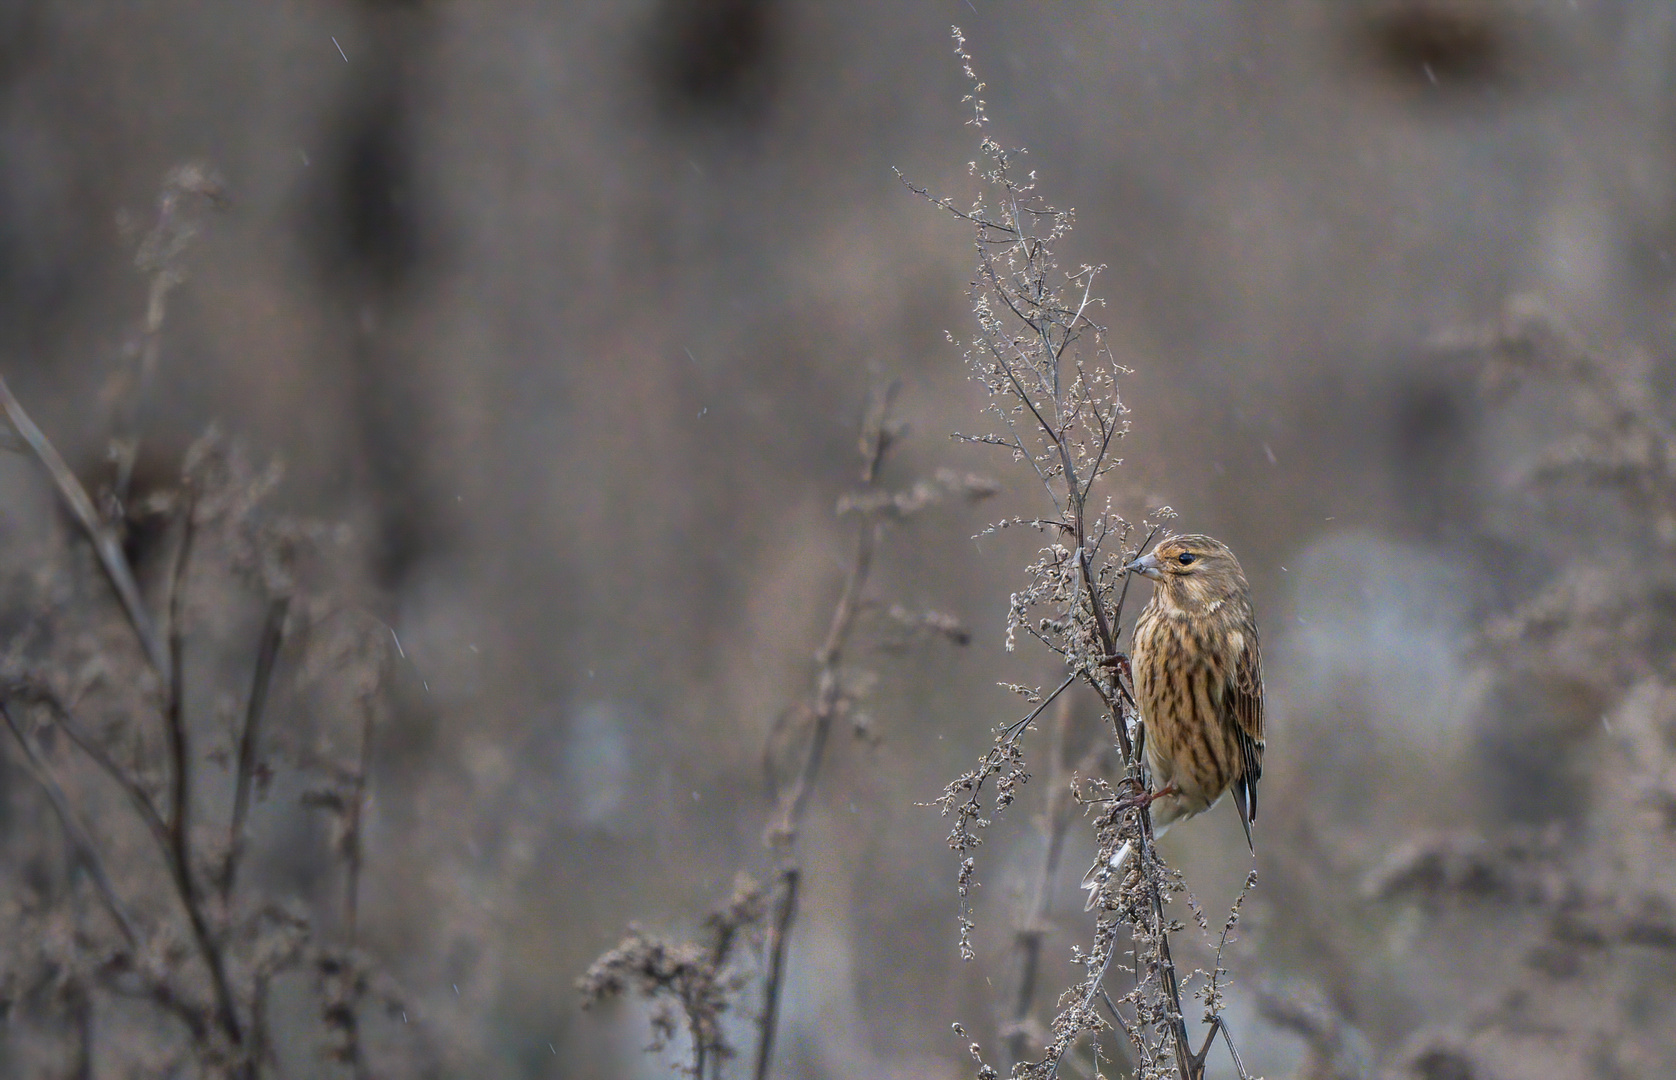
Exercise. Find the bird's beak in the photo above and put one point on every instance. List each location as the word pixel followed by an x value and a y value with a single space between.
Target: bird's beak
pixel 1146 565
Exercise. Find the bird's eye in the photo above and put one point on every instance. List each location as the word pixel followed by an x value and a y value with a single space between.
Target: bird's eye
pixel 1186 558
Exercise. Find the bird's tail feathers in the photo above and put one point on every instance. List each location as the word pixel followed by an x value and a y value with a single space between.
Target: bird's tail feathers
pixel 1245 801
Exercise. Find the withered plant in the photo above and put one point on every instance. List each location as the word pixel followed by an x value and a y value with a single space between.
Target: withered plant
pixel 1051 379
pixel 176 654
pixel 694 985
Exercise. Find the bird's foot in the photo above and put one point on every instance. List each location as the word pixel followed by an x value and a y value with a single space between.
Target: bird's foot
pixel 1146 798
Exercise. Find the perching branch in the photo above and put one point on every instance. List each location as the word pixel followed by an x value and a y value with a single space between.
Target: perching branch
pixel 1051 382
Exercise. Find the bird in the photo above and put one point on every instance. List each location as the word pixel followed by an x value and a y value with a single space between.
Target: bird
pixel 1198 678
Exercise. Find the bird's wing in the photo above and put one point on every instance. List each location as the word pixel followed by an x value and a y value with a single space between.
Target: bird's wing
pixel 1247 702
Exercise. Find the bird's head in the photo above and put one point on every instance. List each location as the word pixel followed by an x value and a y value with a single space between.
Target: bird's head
pixel 1193 571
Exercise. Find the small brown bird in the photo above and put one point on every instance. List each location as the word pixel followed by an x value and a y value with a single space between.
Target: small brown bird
pixel 1199 684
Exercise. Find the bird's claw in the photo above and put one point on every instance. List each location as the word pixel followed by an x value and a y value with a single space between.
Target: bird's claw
pixel 1144 798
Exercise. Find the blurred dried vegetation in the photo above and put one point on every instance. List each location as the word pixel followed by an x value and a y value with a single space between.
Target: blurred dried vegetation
pixel 561 320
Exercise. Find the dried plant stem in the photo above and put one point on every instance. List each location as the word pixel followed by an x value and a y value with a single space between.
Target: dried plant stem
pixel 700 980
pixel 1071 498
pixel 104 541
pixel 783 832
pixel 126 444
pixel 157 767
pixel 1190 1068
pixel 86 853
pixel 159 991
pixel 166 658
pixel 1052 387
pixel 87 744
pixel 779 932
pixel 161 256
pixel 267 654
pixel 342 972
pixel 828 692
pixel 180 792
pixel 1118 708
pixel 352 823
pixel 174 727
pixel 1033 927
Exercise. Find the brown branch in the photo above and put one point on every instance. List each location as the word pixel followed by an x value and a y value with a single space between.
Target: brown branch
pixel 782 835
pixel 828 691
pixel 165 836
pixel 160 255
pixel 1021 725
pixel 1186 1065
pixel 1025 372
pixel 1076 501
pixel 174 715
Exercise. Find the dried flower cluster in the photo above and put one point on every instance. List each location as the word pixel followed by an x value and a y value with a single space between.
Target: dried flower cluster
pixel 691 985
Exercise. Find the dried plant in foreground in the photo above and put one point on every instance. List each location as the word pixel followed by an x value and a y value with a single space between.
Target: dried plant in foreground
pixel 1052 383
pixel 110 739
pixel 151 730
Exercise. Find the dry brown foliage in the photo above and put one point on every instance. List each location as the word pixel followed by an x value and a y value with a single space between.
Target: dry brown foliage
pixel 178 655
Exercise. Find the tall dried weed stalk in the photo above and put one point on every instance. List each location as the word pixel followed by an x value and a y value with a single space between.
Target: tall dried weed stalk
pixel 173 655
pixel 1052 383
pixel 695 988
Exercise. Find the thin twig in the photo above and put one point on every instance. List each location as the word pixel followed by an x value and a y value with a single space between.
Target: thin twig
pixel 353 855
pixel 343 1012
pixel 80 842
pixel 105 543
pixel 165 836
pixel 1213 992
pixel 1075 424
pixel 267 653
pixel 782 835
pixel 160 255
pixel 84 740
pixel 828 687
pixel 828 681
pixel 1019 726
pixel 1095 989
pixel 779 932
pixel 1033 927
pixel 179 818
pixel 180 789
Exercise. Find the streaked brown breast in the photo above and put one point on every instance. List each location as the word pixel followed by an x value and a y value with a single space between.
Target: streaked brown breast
pixel 1182 677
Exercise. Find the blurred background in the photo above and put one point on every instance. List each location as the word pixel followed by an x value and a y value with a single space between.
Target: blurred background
pixel 569 310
